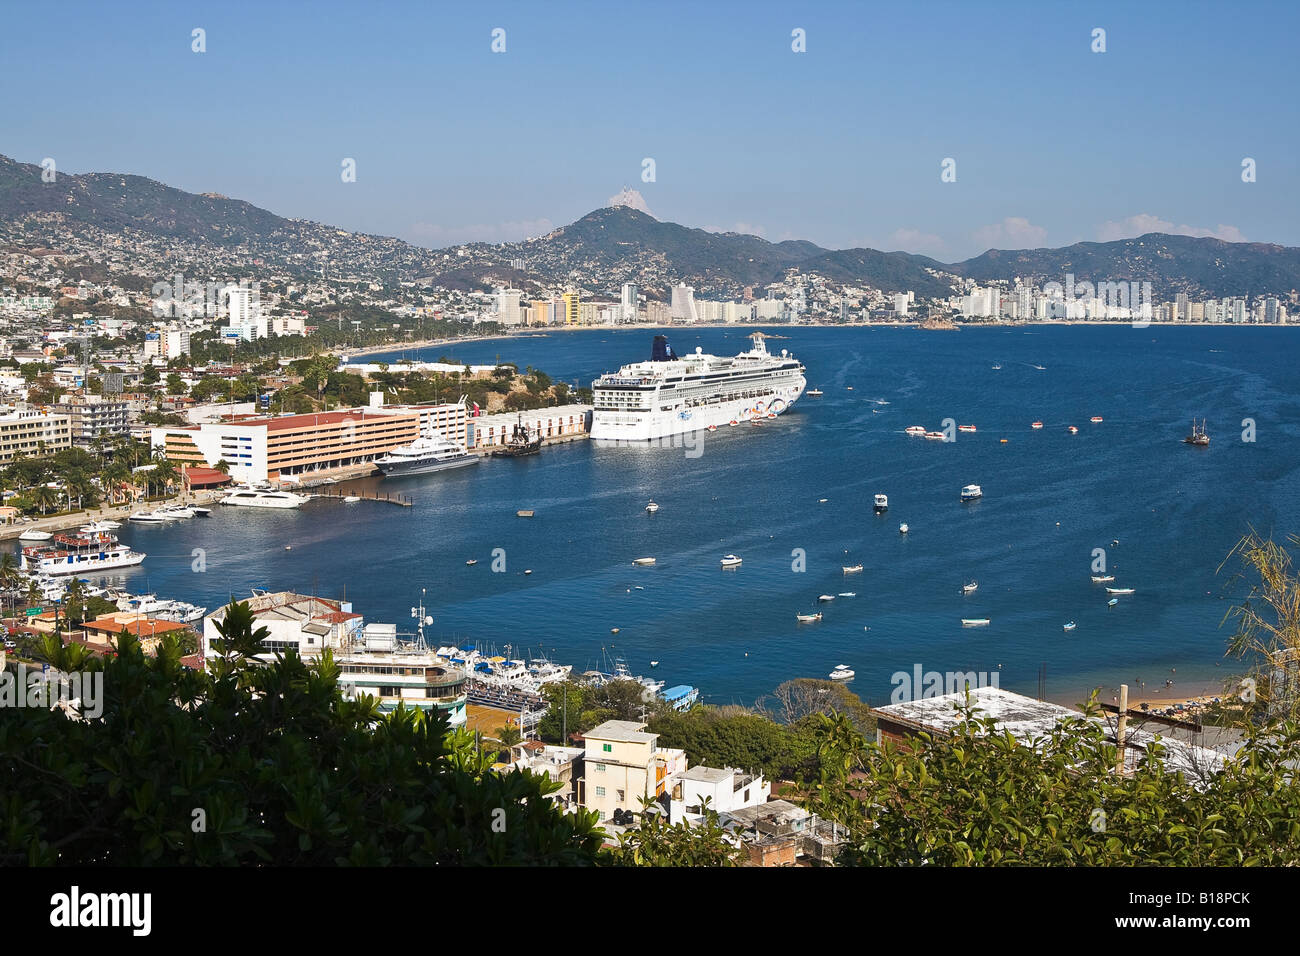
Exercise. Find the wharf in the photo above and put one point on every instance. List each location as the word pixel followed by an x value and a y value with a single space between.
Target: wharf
pixel 331 491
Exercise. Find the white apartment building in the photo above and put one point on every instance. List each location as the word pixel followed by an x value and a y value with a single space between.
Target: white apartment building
pixel 629 302
pixel 245 310
pixel 683 304
pixel 726 790
pixel 30 432
pixel 507 307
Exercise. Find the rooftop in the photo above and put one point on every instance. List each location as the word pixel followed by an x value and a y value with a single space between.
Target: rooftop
pixel 623 731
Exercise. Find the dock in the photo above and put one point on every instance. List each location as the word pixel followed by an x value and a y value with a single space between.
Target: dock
pixel 386 498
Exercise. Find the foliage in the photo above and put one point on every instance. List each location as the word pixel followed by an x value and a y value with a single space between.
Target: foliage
pixel 252 763
pixel 734 737
pixel 654 842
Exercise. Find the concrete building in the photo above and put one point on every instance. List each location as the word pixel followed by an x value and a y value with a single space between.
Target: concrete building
pixel 507 305
pixel 624 765
pixel 449 420
pixel 629 302
pixel 488 431
pixel 289 446
pixel 92 417
pixel 726 790
pixel 683 304
pixel 572 308
pixel 245 310
pixel 32 433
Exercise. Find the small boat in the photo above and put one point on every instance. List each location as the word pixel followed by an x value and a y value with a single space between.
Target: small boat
pixel 1074 430
pixel 1112 602
pixel 651 508
pixel 1035 424
pixel 730 561
pixel 733 422
pixel 1041 368
pixel 916 431
pixel 1198 436
pixel 825 597
pixel 969 588
pixel 842 672
pixel 713 428
pixel 997 368
pixel 528 570
pixel 852 568
pixel 150 516
pixel 1102 578
pixel 654 663
pixel 814 392
pixel 848 388
pixel 848 594
pixel 35 535
pixel 471 562
pixel 971 492
pixel 902 528
pixel 1120 591
pixel 1095 419
pixel 644 562
pixel 1069 627
pixel 771 415
pixel 935 436
pixel 201 512
pixel 808 618
pixel 822 501
pixel 965 428
pixel 613 630
pixel 525 513
pixel 351 499
pixel 881 504
pixel 974 622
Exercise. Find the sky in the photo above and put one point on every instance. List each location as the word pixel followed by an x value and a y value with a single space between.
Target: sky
pixel 842 143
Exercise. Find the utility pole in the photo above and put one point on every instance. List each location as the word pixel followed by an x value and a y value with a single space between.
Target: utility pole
pixel 1120 728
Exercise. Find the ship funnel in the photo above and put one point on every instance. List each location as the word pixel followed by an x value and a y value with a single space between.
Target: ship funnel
pixel 662 351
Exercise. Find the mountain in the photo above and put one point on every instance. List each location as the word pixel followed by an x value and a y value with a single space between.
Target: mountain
pixel 156 227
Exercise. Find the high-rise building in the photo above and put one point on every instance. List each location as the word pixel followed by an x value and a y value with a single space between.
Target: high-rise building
pixel 629 302
pixel 683 305
pixel 572 308
pixel 1180 313
pixel 245 311
pixel 508 312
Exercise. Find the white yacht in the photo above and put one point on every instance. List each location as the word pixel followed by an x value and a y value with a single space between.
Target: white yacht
pixel 971 492
pixel 669 395
pixel 730 561
pixel 79 554
pixel 247 496
pixel 35 535
pixel 148 516
pixel 881 504
pixel 427 454
pixel 651 508
pixel 842 672
pixel 100 527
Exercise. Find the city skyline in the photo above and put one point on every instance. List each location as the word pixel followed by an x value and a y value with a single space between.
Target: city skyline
pixel 842 144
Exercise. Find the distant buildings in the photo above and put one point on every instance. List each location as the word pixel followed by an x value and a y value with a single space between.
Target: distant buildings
pixel 92 417
pixel 245 310
pixel 683 304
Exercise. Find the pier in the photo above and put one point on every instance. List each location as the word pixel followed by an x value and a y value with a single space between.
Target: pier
pixel 386 498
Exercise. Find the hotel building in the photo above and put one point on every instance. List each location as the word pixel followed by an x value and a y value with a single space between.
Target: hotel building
pixel 30 432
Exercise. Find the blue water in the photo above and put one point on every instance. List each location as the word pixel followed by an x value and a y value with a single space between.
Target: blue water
pixel 1050 498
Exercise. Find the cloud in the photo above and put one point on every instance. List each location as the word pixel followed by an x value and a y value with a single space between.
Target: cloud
pixel 630 198
pixel 1014 232
pixel 1143 223
pixel 435 236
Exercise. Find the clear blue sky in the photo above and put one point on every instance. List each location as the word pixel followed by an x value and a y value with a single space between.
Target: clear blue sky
pixel 841 145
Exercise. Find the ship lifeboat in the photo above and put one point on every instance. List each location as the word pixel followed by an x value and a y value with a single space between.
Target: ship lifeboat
pixel 1036 425
pixel 1095 419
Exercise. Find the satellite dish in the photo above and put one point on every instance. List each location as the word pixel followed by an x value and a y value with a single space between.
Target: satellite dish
pixel 428 619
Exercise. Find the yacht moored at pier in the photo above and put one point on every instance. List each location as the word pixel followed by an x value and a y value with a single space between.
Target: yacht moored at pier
pixel 250 497
pixel 427 454
pixel 79 554
pixel 669 395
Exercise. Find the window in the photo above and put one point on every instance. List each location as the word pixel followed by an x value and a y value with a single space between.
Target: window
pixel 600 791
pixel 620 796
pixel 600 768
pixel 607 748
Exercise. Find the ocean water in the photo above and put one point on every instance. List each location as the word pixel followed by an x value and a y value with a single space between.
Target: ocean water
pixel 1050 499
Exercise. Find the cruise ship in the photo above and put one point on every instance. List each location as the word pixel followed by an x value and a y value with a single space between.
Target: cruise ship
pixel 669 395
pixel 426 454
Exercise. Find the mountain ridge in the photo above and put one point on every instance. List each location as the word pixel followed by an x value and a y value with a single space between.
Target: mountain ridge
pixel 615 243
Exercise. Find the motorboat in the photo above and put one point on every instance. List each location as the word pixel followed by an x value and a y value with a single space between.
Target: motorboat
pixel 1074 430
pixel 1120 590
pixel 825 597
pixel 1102 578
pixel 852 568
pixel 814 392
pixel 1112 602
pixel 935 436
pixel 351 499
pixel 965 428
pixel 35 535
pixel 881 504
pixel 974 622
pixel 969 588
pixel 916 431
pixel 1069 627
pixel 1095 419
pixel 848 594
pixel 249 497
pixel 100 527
pixel 644 562
pixel 1036 425
pixel 902 528
pixel 842 672
pixel 971 492
pixel 730 561
pixel 200 512
pixel 808 618
pixel 471 562
pixel 651 508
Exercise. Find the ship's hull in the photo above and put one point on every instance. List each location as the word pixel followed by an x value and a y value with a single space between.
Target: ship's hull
pixel 399 469
pixel 654 425
pixel 261 502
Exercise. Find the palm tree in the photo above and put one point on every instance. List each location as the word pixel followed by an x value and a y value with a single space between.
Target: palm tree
pixel 33 593
pixel 8 573
pixel 43 496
